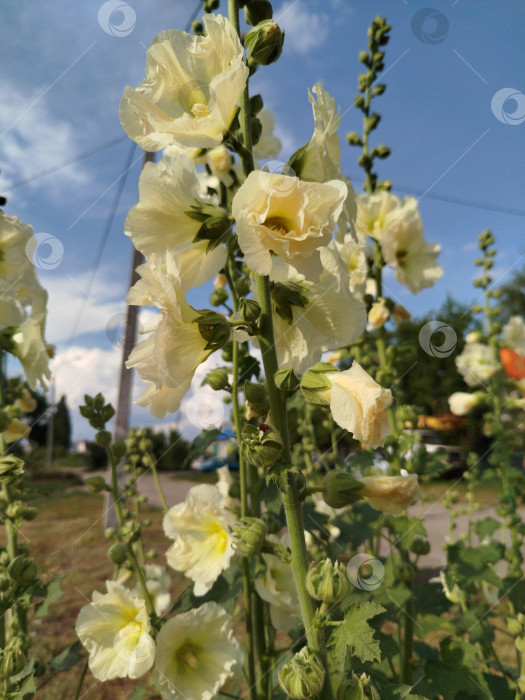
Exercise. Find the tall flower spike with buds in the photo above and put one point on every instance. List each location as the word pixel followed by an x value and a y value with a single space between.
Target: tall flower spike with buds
pixel 191 88
pixel 180 342
pixel 202 545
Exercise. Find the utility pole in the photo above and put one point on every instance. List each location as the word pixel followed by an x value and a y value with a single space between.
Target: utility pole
pixel 121 426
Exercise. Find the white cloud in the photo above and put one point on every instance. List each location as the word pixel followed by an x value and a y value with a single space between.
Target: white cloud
pixel 305 29
pixel 33 140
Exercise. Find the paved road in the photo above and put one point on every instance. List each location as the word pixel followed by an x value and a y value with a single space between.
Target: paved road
pixel 434 514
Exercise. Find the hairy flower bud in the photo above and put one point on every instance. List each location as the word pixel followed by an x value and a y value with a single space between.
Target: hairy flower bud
pixel 95 484
pixel 249 535
pixel 249 310
pixel 219 296
pixel 341 489
pixel 303 676
pixel 357 688
pixel 22 570
pixel 286 380
pixel 262 448
pixel 327 581
pixel 214 328
pixel 217 379
pixel 256 11
pixel 11 467
pixel 264 43
pixel 118 553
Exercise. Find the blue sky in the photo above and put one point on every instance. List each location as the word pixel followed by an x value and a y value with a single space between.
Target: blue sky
pixel 63 78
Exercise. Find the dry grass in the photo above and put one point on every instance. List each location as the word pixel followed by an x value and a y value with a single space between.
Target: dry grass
pixel 67 538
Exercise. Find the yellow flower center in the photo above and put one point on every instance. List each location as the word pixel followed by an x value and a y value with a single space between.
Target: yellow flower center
pixel 200 110
pixel 278 224
pixel 216 530
pixel 187 655
pixel 401 256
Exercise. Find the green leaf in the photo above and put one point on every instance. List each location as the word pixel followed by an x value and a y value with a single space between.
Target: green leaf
pixel 499 686
pixel 486 527
pixel 68 658
pixel 356 523
pixel 139 693
pixel 467 565
pixel 355 633
pixel 54 592
pixel 450 680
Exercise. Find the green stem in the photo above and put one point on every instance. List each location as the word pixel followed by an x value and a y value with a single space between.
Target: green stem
pixel 156 478
pixel 81 681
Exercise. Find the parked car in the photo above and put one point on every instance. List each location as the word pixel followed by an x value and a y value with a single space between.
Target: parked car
pixel 209 464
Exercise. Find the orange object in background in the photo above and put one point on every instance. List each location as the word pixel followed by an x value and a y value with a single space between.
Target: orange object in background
pixel 513 363
pixel 447 421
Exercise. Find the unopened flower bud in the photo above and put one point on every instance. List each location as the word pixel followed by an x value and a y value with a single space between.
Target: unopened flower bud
pixel 119 449
pixel 286 380
pixel 12 659
pixel 16 430
pixel 357 688
pixel 219 296
pixel 264 43
pixel 256 11
pixel 103 438
pixel 95 484
pixel 118 553
pixel 514 626
pixel 261 448
pixel 110 532
pixel 249 535
pixel 303 676
pixel 22 570
pixel 214 328
pixel 249 310
pixel 11 467
pixel 420 546
pixel 315 385
pixel 220 281
pixel 327 581
pixel 217 379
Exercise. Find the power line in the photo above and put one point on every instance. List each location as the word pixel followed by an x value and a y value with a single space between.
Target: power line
pixel 105 236
pixel 56 168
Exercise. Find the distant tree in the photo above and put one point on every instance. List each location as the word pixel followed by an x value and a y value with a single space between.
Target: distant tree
pixel 62 425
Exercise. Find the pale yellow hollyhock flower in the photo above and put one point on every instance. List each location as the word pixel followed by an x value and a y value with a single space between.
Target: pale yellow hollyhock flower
pixel 374 212
pixel 514 334
pixel 268 146
pixel 406 251
pixel 358 404
pixel 476 364
pixel 203 543
pixel 461 403
pixel 26 402
pixel 14 238
pixel 114 628
pixel 167 192
pixel 280 215
pixel 196 654
pixel 158 583
pixel 191 89
pixel 16 430
pixel 390 494
pixel 277 587
pixel 355 255
pixel 321 159
pixel 31 350
pixel 168 358
pixel 331 318
pixel 378 315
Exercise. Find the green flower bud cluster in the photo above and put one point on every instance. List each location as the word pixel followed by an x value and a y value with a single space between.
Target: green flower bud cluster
pixel 11 468
pixel 264 44
pixel 303 676
pixel 262 448
pixel 217 379
pixel 12 659
pixel 249 535
pixel 357 688
pixel 97 411
pixel 327 581
pixel 219 296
